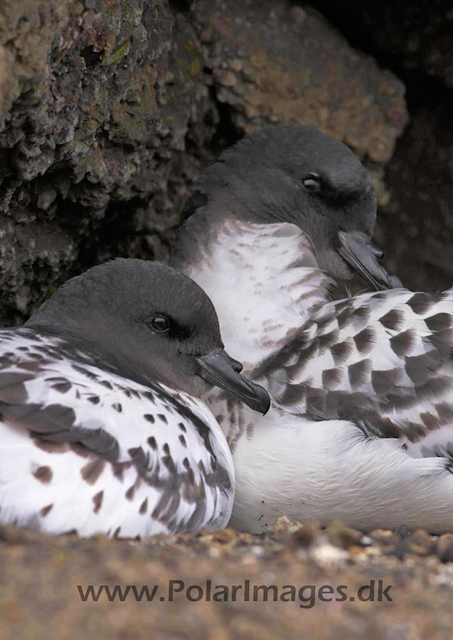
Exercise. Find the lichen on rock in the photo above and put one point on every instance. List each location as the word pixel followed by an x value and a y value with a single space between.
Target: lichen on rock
pixel 109 109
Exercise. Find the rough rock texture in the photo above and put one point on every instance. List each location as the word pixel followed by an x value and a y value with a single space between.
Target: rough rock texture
pixel 416 225
pixel 108 109
pixel 39 596
pixel 416 35
pixel 287 65
pixel 413 39
pixel 96 103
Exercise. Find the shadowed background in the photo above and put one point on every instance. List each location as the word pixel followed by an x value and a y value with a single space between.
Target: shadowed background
pixel 109 109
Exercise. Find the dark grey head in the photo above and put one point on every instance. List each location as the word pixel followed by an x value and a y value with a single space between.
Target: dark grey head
pixel 293 173
pixel 149 323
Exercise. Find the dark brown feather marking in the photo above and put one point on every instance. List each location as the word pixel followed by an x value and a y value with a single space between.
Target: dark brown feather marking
pixel 403 342
pixel 89 374
pixel 49 446
pixel 439 322
pixel 62 387
pixel 152 443
pixel 45 510
pixel 92 470
pixel 43 474
pixel 144 507
pixel 393 320
pixel 119 468
pixel 365 340
pixel 331 378
pixel 169 463
pixel 344 315
pixel 362 313
pixel 97 501
pixel 420 368
pixel 358 372
pixel 388 429
pixel 293 394
pixel 420 303
pixel 12 387
pixel 327 340
pixel 431 421
pixel 342 351
pixel 445 412
pixel 385 381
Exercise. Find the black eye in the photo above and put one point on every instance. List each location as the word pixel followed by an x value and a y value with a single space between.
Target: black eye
pixel 312 182
pixel 160 324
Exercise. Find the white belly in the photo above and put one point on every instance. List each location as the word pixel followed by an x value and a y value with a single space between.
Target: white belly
pixel 329 471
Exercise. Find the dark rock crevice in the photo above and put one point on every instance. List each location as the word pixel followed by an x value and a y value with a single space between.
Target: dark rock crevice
pixel 413 40
pixel 108 111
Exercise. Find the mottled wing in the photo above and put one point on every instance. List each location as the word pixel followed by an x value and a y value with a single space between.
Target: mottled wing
pixel 85 449
pixel 382 360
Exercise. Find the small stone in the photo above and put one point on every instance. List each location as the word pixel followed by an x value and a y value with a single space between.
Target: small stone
pixel 225 536
pixel 421 543
pixel 445 547
pixel 327 556
pixel 246 539
pixel 214 552
pixel 249 558
pixel 342 536
pixel 305 535
pixel 284 525
pixel 384 537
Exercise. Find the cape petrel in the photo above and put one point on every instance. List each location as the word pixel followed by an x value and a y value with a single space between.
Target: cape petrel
pixel 361 428
pixel 101 429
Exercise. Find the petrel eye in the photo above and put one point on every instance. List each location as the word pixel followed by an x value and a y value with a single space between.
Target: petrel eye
pixel 312 182
pixel 160 324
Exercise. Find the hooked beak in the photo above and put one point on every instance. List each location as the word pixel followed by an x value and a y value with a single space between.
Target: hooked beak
pixel 219 369
pixel 359 252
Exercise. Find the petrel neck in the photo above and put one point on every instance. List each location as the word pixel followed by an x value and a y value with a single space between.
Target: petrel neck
pixel 263 279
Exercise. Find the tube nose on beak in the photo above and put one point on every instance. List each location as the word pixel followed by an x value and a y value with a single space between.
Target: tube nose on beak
pixel 219 369
pixel 358 251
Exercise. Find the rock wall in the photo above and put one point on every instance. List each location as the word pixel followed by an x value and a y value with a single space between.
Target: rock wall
pixel 109 108
pixel 413 39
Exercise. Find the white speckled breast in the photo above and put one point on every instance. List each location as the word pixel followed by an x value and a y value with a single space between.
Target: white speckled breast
pixel 264 281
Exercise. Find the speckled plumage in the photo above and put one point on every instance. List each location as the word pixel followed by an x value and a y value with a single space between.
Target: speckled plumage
pixel 87 450
pixel 362 422
pixel 94 435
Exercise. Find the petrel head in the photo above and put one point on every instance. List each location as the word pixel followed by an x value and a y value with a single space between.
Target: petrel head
pixel 147 322
pixel 293 173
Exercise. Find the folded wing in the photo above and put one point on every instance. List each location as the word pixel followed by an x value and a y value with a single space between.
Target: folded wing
pixel 106 453
pixel 381 360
